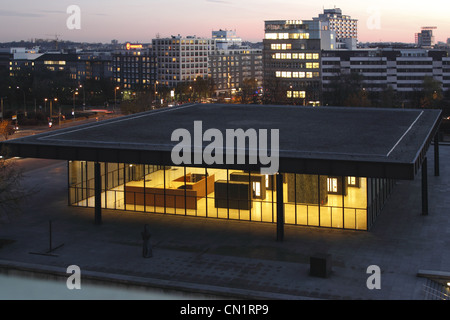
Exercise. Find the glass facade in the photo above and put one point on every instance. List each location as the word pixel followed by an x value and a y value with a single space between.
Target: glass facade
pixel 309 200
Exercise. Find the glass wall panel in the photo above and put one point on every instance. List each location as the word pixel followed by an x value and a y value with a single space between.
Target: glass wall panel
pixel 90 184
pixel 337 217
pixel 303 191
pixel 331 204
pixel 75 182
pixel 289 197
pixel 361 219
pixel 173 196
pixel 134 187
pixel 240 193
pixel 213 210
pixel 114 191
pixel 349 218
pixel 198 185
pixel 355 200
pixel 154 188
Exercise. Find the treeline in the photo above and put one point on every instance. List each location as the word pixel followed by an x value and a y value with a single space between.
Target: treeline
pixel 28 89
pixel 351 90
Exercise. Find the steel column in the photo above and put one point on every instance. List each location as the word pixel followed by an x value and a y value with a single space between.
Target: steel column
pixel 436 155
pixel 98 193
pixel 280 208
pixel 425 187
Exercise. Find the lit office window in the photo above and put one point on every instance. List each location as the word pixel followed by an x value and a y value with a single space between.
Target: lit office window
pixel 271 36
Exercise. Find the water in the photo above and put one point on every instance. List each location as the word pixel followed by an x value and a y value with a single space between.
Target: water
pixel 32 288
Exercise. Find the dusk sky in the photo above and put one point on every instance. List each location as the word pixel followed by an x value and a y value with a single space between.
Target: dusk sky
pixel 141 20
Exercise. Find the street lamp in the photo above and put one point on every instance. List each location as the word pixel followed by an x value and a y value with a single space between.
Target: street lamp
pixel 24 101
pixel 45 105
pixel 84 97
pixel 73 110
pixel 1 108
pixel 51 111
pixel 115 97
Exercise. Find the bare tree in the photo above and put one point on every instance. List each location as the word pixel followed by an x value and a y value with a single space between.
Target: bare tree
pixel 12 192
pixel 6 129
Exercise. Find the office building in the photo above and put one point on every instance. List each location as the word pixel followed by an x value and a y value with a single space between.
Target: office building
pixel 182 59
pixel 403 70
pixel 344 27
pixel 94 66
pixel 79 66
pixel 233 65
pixel 426 39
pixel 226 38
pixel 291 59
pixel 134 67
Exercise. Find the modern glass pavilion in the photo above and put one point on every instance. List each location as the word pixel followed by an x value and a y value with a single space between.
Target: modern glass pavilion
pixel 336 166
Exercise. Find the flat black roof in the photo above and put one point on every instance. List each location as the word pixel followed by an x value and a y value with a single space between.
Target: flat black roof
pixel 367 142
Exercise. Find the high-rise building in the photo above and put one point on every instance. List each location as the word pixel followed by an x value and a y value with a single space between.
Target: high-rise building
pixel 234 65
pixel 182 59
pixel 425 39
pixel 344 26
pixel 226 38
pixel 134 67
pixel 291 59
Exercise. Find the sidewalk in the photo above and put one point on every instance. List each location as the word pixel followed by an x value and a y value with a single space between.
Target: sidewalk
pixel 234 259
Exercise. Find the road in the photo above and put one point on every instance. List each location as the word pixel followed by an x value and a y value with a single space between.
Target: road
pixel 32 130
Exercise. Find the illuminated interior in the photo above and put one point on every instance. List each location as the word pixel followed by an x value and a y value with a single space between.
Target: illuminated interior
pixel 309 200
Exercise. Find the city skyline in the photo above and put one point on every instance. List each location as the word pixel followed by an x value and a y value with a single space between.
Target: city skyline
pixel 141 21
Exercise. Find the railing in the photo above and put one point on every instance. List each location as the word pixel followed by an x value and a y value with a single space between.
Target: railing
pixel 436 291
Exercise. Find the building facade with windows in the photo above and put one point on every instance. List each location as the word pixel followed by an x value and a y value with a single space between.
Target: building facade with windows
pixel 403 70
pixel 134 67
pixel 233 66
pixel 344 27
pixel 292 60
pixel 182 59
pixel 425 38
pixel 94 66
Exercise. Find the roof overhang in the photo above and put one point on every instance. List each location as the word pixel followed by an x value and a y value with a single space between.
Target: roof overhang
pixel 364 142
